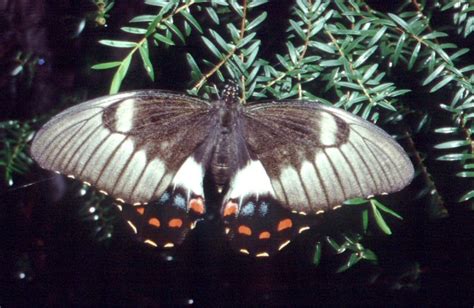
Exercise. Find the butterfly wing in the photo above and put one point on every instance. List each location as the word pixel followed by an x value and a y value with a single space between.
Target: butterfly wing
pixel 138 147
pixel 164 222
pixel 128 145
pixel 256 222
pixel 304 158
pixel 318 156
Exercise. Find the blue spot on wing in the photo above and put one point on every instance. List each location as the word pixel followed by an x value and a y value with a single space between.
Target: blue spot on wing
pixel 263 209
pixel 179 202
pixel 248 209
pixel 164 197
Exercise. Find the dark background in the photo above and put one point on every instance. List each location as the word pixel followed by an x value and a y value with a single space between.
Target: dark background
pixel 50 254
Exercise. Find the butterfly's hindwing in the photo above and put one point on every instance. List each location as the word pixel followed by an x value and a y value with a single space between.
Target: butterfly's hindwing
pixel 164 222
pixel 256 222
pixel 317 156
pixel 261 226
pixel 128 145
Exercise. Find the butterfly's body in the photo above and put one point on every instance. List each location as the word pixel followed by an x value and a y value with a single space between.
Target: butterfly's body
pixel 274 162
pixel 225 151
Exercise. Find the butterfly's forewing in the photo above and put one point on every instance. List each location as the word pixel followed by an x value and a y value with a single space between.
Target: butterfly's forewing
pixel 318 156
pixel 128 145
pixel 139 147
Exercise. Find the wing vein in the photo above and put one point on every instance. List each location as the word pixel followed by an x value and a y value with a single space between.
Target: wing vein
pixel 308 200
pixel 336 173
pixel 81 147
pixel 369 149
pixel 354 174
pixel 122 171
pixel 111 155
pixel 365 164
pixel 59 151
pixel 323 186
pixel 139 178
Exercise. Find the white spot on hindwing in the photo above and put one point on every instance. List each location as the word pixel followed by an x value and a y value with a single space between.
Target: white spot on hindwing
pixel 190 176
pixel 328 131
pixel 250 180
pixel 124 115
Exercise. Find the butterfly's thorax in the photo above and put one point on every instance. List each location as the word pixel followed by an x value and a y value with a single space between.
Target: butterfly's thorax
pixel 224 158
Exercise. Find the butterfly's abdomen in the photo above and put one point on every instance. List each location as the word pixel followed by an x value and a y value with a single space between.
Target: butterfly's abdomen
pixel 221 166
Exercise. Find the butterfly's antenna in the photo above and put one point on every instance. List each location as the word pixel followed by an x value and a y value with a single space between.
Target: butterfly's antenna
pixel 28 185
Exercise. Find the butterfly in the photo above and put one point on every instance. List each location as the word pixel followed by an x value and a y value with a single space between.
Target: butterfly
pixel 276 164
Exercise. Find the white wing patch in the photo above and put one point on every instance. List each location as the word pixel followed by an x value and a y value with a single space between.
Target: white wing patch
pixel 312 183
pixel 250 180
pixel 124 115
pixel 190 177
pixel 131 173
pixel 293 186
pixel 328 132
pixel 150 178
pixel 103 167
pixel 98 156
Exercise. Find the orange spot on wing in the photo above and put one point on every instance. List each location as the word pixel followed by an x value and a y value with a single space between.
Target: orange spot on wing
pixel 264 235
pixel 285 224
pixel 140 210
pixel 197 205
pixel 230 208
pixel 175 223
pixel 244 230
pixel 154 222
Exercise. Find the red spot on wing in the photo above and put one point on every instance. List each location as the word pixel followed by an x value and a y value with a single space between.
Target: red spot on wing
pixel 154 222
pixel 175 223
pixel 264 235
pixel 285 224
pixel 140 210
pixel 197 205
pixel 245 230
pixel 230 208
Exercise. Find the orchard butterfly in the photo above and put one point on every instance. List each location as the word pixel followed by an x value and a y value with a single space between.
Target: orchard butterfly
pixel 277 164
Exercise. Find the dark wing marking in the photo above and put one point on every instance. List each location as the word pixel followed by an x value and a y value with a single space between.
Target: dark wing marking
pixel 129 145
pixel 318 156
pixel 260 226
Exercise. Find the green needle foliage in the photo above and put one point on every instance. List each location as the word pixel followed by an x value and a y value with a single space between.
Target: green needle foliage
pixel 390 67
pixel 14 158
